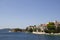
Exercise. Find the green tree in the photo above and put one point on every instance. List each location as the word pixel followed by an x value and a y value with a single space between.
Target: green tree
pixel 34 29
pixel 17 29
pixel 30 30
pixel 58 29
pixel 51 27
pixel 39 30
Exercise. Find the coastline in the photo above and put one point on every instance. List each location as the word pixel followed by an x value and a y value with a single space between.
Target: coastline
pixel 38 32
pixel 46 33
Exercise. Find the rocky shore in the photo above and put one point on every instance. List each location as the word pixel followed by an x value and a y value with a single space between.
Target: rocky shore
pixel 46 33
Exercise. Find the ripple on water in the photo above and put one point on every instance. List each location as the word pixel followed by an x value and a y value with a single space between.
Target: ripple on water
pixel 26 36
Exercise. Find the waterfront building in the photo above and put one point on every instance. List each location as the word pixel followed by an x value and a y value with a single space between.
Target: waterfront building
pixel 57 24
pixel 42 27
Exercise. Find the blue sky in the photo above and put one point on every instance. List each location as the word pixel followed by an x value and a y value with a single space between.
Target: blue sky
pixel 22 13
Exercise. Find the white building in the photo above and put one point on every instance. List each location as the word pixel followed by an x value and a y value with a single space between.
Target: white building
pixel 42 27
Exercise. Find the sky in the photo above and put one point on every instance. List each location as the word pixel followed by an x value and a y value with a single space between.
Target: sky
pixel 22 13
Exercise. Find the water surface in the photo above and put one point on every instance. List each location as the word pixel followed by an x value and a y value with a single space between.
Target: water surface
pixel 5 35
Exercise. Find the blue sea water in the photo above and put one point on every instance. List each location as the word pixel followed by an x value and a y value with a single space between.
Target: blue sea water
pixel 5 35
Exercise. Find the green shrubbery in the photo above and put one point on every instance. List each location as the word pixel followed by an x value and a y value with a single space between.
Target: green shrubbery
pixel 52 28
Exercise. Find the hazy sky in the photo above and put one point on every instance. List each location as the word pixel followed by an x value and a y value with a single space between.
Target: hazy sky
pixel 22 13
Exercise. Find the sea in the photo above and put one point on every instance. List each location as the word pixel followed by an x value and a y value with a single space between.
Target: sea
pixel 6 35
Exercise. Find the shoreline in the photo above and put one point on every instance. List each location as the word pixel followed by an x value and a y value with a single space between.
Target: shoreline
pixel 46 33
